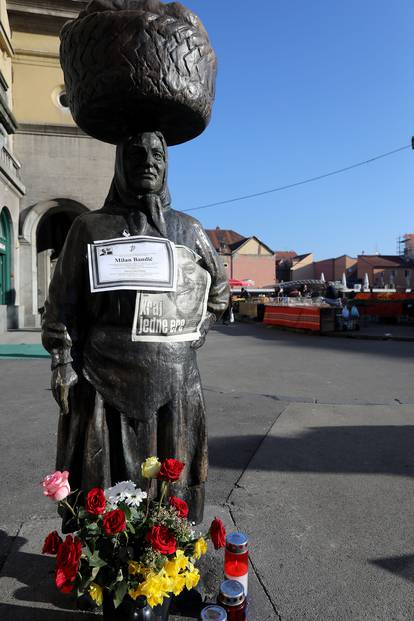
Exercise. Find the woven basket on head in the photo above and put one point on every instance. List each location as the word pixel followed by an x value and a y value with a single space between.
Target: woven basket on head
pixel 138 65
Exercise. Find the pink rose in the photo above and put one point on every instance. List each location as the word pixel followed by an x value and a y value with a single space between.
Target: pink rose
pixel 56 485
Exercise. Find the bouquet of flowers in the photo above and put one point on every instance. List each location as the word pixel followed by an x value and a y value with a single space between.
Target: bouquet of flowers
pixel 123 543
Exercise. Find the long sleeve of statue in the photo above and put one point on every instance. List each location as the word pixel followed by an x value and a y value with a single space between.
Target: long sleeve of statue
pixel 138 283
pixel 62 315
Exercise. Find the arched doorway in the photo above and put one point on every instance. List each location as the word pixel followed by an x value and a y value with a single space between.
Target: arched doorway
pixel 6 291
pixel 44 227
pixel 51 233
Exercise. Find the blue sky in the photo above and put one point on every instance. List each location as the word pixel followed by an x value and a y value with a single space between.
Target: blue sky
pixel 306 87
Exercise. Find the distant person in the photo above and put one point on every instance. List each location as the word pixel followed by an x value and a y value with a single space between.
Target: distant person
pixel 228 313
pixel 354 315
pixel 244 293
pixel 345 318
pixel 331 295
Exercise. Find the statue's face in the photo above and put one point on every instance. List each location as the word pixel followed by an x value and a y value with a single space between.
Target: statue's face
pixel 145 163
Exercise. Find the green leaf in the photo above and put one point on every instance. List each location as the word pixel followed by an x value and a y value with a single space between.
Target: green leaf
pixel 95 560
pixel 82 513
pixel 92 528
pixel 126 510
pixel 119 593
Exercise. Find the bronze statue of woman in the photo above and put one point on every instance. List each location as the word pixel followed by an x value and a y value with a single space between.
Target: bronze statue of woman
pixel 121 400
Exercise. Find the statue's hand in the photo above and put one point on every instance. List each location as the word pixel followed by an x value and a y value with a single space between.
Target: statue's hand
pixel 63 378
pixel 205 327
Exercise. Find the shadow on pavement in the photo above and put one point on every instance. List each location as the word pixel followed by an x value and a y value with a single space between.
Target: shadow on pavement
pixel 6 543
pixel 9 612
pixel 403 566
pixel 307 339
pixel 36 572
pixel 383 449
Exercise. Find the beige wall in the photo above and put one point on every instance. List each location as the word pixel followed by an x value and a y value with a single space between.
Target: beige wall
pixel 303 269
pixel 342 265
pixel 252 246
pixel 38 79
pixel 6 48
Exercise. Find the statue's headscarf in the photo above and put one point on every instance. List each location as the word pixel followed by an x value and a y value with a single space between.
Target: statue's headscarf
pixel 145 211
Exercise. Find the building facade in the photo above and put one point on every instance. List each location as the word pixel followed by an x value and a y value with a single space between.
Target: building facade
pixel 245 258
pixel 334 269
pixel 302 267
pixel 65 172
pixel 12 189
pixel 389 271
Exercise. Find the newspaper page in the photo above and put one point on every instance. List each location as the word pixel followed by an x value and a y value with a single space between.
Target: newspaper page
pixel 177 315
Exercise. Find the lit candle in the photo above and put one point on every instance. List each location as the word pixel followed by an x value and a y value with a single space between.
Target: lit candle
pixel 236 559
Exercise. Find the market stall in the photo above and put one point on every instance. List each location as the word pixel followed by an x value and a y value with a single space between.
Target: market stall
pixel 301 316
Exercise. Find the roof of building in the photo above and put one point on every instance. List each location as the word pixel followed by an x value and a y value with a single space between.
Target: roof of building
pixel 227 241
pixel 300 257
pixel 282 255
pixel 385 260
pixel 341 256
pixel 42 16
pixel 238 244
pixel 224 239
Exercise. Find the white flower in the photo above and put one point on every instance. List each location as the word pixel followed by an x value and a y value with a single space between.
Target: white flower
pixel 126 492
pixel 134 499
pixel 119 492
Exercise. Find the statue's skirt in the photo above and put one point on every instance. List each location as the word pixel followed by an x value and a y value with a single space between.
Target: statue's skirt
pixel 101 446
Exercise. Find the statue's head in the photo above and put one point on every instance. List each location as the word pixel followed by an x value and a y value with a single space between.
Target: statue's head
pixel 145 163
pixel 141 165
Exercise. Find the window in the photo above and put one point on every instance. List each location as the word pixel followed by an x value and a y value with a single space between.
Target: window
pixel 60 98
pixel 63 99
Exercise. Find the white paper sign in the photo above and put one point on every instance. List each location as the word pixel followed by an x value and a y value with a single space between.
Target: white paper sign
pixel 138 262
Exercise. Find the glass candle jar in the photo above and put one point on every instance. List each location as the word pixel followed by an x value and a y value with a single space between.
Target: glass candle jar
pixel 236 559
pixel 213 613
pixel 233 600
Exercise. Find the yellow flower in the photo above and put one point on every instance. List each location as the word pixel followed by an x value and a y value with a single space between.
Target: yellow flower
pixel 150 468
pixel 96 593
pixel 134 568
pixel 134 592
pixel 155 587
pixel 171 568
pixel 192 578
pixel 182 560
pixel 200 548
pixel 178 584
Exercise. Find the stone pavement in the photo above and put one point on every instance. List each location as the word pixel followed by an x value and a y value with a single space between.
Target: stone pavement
pixel 27 592
pixel 380 331
pixel 324 490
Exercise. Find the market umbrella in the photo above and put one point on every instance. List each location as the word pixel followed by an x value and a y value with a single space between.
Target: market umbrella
pixel 233 282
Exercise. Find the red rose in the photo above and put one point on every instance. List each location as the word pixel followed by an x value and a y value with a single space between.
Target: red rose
pixel 52 543
pixel 218 533
pixel 180 505
pixel 114 522
pixel 95 501
pixel 171 470
pixel 67 564
pixel 161 539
